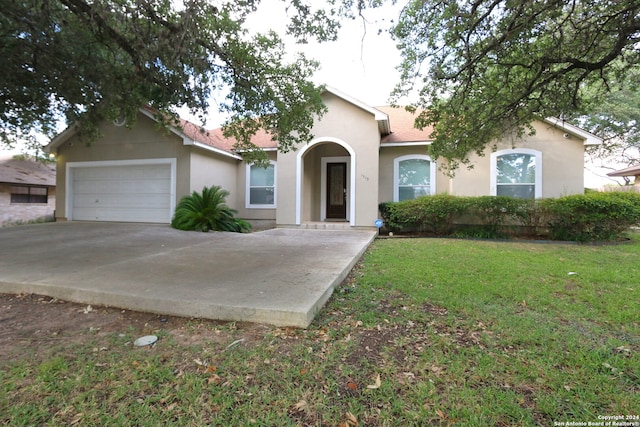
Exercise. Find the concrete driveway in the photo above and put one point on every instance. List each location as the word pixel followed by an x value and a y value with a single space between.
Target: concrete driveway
pixel 280 276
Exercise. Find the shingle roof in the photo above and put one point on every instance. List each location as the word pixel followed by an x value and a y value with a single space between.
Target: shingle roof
pixel 27 172
pixel 215 138
pixel 402 127
pixel 401 121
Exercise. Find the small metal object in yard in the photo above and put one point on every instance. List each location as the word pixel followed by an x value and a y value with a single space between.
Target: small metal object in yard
pixel 146 340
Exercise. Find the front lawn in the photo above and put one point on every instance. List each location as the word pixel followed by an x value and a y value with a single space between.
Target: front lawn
pixel 424 332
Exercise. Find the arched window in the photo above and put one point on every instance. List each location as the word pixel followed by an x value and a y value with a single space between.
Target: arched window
pixel 414 176
pixel 516 173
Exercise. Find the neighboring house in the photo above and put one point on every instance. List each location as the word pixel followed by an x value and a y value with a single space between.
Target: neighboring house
pixel 633 171
pixel 360 156
pixel 27 190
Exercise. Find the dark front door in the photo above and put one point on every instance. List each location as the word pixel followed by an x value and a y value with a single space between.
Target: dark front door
pixel 336 190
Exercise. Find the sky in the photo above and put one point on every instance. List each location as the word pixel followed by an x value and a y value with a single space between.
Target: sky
pixel 361 63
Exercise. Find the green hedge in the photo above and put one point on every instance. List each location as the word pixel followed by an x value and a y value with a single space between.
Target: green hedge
pixel 593 216
pixel 588 217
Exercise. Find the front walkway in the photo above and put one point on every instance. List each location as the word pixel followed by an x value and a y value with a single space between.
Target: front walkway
pixel 279 276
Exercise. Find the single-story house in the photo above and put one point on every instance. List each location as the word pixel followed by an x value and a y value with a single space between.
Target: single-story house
pixel 360 156
pixel 27 190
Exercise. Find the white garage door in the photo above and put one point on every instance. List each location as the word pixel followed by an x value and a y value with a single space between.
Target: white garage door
pixel 130 193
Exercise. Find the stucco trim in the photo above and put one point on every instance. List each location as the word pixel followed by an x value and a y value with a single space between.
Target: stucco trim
pixel 136 162
pixel 352 175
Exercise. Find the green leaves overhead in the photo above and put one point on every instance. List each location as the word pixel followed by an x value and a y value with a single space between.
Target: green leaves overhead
pixel 486 67
pixel 88 61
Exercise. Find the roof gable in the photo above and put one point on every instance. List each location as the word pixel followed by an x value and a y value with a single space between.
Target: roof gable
pixel 190 133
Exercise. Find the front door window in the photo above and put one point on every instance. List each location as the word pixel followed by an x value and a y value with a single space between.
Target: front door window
pixel 337 190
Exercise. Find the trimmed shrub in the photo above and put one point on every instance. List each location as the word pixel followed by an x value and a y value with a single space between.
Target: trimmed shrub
pixel 582 218
pixel 207 211
pixel 495 213
pixel 592 216
pixel 428 214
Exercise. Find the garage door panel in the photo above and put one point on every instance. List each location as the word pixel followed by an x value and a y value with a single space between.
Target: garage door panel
pixel 120 201
pixel 123 187
pixel 115 214
pixel 129 193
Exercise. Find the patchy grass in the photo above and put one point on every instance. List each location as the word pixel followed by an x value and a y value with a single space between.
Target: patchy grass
pixel 424 332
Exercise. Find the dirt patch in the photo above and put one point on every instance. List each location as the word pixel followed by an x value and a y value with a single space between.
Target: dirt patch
pixel 31 324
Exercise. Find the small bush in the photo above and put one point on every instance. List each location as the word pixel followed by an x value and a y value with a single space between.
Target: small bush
pixel 207 211
pixel 429 214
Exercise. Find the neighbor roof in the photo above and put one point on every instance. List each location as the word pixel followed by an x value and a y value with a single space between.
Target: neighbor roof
pixel 630 171
pixel 27 172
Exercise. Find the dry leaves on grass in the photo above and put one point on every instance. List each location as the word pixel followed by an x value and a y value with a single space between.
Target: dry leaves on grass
pixel 351 421
pixel 376 384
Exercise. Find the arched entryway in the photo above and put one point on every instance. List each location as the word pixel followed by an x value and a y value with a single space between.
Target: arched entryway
pixel 325 182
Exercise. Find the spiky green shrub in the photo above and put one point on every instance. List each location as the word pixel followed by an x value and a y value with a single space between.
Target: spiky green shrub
pixel 207 211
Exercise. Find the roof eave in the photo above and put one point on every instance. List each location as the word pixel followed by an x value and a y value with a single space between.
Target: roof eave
pixel 588 137
pixel 405 143
pixel 630 171
pixel 212 149
pixel 60 139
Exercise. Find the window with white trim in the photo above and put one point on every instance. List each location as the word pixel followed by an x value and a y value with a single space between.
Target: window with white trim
pixel 414 176
pixel 261 186
pixel 516 173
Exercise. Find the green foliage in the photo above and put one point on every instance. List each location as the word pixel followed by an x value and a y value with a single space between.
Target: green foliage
pixel 485 68
pixel 614 116
pixel 494 212
pixel 88 61
pixel 207 211
pixel 431 214
pixel 589 217
pixel 593 216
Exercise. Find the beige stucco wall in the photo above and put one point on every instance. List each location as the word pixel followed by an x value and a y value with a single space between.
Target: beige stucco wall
pixel 209 169
pixel 562 164
pixel 344 125
pixel 11 213
pixel 142 141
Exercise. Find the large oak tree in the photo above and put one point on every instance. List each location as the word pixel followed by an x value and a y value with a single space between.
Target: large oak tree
pixel 85 61
pixel 485 67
